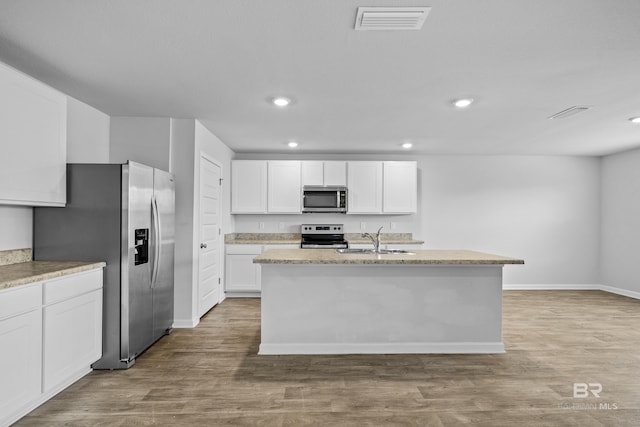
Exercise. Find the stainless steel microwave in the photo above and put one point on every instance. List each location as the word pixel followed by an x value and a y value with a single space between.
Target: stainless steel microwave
pixel 317 198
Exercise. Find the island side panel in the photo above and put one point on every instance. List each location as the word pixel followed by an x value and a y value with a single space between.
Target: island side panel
pixel 342 309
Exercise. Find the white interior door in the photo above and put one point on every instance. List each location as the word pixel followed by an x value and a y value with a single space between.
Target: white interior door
pixel 210 236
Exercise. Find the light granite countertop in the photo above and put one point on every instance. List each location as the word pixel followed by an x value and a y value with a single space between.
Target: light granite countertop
pixel 429 256
pixel 34 271
pixel 294 239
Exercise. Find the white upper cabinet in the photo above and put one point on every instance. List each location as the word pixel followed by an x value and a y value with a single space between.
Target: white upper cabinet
pixel 400 187
pixel 312 173
pixel 382 187
pixel 324 173
pixel 33 141
pixel 335 173
pixel 249 186
pixel 364 182
pixel 274 186
pixel 284 189
pixel 260 186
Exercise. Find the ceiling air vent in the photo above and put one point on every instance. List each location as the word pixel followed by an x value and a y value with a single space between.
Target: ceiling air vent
pixel 570 112
pixel 391 18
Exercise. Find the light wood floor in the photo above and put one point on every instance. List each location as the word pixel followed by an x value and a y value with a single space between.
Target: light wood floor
pixel 211 375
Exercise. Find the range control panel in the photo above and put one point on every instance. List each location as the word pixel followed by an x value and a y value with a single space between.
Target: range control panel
pixel 321 228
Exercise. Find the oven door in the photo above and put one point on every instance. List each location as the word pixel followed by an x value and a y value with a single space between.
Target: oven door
pixel 321 241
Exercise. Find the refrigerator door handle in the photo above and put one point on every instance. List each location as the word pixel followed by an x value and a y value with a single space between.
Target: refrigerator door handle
pixel 155 219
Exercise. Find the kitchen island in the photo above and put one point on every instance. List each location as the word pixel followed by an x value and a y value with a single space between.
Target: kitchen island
pixel 317 301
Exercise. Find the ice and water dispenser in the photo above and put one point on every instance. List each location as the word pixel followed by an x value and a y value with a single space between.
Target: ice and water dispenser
pixel 142 246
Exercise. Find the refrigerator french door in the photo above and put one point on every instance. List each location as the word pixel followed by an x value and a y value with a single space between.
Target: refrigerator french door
pixel 124 215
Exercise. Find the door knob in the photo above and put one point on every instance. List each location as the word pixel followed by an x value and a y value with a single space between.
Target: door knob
pixel 203 245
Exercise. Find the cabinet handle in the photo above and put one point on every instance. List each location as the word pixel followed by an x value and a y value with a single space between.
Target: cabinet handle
pixel 203 245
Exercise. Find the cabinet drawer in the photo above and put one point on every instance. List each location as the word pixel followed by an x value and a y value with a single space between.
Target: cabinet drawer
pixel 69 286
pixel 20 299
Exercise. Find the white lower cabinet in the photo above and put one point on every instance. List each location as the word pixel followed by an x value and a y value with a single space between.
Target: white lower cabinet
pixel 242 275
pixel 50 334
pixel 20 350
pixel 71 345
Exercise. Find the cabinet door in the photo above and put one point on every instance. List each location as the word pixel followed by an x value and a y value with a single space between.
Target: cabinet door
pixel 312 173
pixel 72 337
pixel 33 141
pixel 242 275
pixel 284 191
pixel 20 363
pixel 364 180
pixel 335 173
pixel 249 186
pixel 400 188
pixel 324 173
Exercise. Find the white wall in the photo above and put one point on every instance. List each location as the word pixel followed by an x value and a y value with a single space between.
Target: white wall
pixel 141 139
pixel 16 224
pixel 185 272
pixel 87 142
pixel 87 133
pixel 545 210
pixel 189 138
pixel 621 221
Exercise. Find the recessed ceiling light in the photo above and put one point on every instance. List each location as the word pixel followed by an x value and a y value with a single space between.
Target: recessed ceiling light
pixel 292 144
pixel 407 145
pixel 635 120
pixel 281 101
pixel 462 103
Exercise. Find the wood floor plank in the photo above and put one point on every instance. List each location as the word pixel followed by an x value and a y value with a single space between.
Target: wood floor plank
pixel 211 375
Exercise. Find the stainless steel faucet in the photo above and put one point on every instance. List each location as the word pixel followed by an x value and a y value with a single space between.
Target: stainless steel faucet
pixel 375 239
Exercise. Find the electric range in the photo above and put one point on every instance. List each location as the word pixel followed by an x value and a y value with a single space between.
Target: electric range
pixel 323 236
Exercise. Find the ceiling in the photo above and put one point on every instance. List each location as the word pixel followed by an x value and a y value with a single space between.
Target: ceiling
pixel 354 91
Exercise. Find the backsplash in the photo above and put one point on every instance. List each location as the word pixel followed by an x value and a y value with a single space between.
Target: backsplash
pixel 15 256
pixel 352 223
pixel 232 237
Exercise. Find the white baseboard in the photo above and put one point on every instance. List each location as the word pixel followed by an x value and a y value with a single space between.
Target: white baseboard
pixel 571 287
pixel 552 286
pixel 383 348
pixel 185 323
pixel 506 287
pixel 242 294
pixel 619 291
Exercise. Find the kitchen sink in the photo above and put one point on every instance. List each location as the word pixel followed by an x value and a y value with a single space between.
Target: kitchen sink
pixel 371 251
pixel 355 251
pixel 396 251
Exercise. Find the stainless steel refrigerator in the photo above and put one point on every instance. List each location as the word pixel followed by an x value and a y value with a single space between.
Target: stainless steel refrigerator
pixel 122 214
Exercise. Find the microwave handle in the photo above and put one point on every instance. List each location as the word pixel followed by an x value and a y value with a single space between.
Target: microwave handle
pixel 338 199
